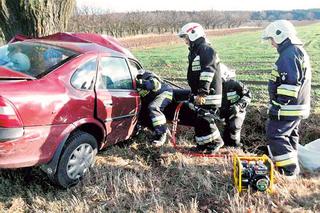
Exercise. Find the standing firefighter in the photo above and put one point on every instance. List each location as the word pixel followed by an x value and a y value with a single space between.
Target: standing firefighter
pixel 235 99
pixel 156 95
pixel 289 91
pixel 204 78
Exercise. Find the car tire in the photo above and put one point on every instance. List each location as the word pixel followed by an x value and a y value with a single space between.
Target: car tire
pixel 76 159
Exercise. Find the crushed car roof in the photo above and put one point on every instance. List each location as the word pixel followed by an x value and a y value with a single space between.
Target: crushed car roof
pixel 89 42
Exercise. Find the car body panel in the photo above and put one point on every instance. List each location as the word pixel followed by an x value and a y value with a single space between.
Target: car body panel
pixel 50 108
pixel 119 111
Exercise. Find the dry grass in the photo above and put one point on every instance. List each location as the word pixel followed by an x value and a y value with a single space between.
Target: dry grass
pixel 135 177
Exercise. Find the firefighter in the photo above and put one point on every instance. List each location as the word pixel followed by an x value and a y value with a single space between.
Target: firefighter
pixel 204 79
pixel 235 99
pixel 155 96
pixel 289 90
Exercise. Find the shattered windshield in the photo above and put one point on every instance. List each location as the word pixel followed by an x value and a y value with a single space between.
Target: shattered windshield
pixel 34 59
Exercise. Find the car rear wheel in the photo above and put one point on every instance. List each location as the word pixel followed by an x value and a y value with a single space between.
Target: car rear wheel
pixel 76 159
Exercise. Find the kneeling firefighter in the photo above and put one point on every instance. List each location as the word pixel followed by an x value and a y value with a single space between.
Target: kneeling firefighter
pixel 204 79
pixel 155 96
pixel 235 99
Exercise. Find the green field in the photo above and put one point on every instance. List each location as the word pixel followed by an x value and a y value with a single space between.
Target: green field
pixel 136 177
pixel 252 57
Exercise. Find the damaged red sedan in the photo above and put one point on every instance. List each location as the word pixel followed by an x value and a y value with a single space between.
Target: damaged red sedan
pixel 62 98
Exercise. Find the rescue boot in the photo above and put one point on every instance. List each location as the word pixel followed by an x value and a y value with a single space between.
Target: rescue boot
pixel 290 174
pixel 209 148
pixel 159 139
pixel 198 148
pixel 238 145
pixel 216 147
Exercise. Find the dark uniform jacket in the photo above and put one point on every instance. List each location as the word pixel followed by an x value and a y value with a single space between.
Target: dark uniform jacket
pixel 234 93
pixel 204 75
pixel 151 86
pixel 290 84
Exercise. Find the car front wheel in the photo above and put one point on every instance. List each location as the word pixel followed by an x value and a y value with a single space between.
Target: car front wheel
pixel 76 159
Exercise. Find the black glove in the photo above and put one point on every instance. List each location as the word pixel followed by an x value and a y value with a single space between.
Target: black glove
pixel 274 112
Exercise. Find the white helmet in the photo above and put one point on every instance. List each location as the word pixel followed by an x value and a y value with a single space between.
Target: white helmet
pixel 280 30
pixel 192 30
pixel 226 72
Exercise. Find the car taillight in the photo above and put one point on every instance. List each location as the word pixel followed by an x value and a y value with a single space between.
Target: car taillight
pixel 8 116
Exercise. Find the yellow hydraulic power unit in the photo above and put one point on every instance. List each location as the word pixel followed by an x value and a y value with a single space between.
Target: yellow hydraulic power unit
pixel 254 172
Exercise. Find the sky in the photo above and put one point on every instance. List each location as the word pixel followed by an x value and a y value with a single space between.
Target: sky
pixel 191 5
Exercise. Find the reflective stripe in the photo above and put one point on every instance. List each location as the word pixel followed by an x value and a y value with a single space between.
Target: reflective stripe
pixel 285 159
pixel 208 138
pixel 231 93
pixel 292 110
pixel 288 90
pixel 286 162
pixel 143 92
pixel 159 120
pixel 286 156
pixel 294 113
pixel 196 64
pixel 233 96
pixel 235 136
pixel 211 99
pixel 274 75
pixel 206 76
pixel 196 68
pixel 274 103
pixel 157 84
pixel 167 94
pixel 295 107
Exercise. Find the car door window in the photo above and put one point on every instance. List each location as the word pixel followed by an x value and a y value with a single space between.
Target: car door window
pixel 114 74
pixel 134 67
pixel 83 77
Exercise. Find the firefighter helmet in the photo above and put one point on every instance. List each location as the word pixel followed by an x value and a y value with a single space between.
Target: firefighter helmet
pixel 192 30
pixel 280 30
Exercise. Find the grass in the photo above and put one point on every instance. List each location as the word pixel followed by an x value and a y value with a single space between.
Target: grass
pixel 246 52
pixel 134 177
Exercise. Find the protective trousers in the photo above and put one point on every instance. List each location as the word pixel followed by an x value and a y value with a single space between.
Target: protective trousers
pixel 283 137
pixel 206 131
pixel 232 129
pixel 156 108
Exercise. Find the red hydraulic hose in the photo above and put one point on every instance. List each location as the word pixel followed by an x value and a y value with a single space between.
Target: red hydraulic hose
pixel 183 150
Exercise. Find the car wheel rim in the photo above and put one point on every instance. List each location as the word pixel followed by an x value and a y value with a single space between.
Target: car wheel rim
pixel 80 160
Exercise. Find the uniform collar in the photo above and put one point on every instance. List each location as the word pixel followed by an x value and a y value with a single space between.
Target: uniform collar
pixel 195 44
pixel 286 43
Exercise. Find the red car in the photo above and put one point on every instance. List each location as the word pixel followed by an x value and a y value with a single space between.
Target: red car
pixel 62 98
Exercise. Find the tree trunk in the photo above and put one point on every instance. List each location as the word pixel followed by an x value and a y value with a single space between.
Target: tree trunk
pixel 34 17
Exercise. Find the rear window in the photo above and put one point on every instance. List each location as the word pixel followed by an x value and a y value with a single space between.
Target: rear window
pixel 34 59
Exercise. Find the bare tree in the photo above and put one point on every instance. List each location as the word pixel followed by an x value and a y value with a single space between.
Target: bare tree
pixel 34 17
